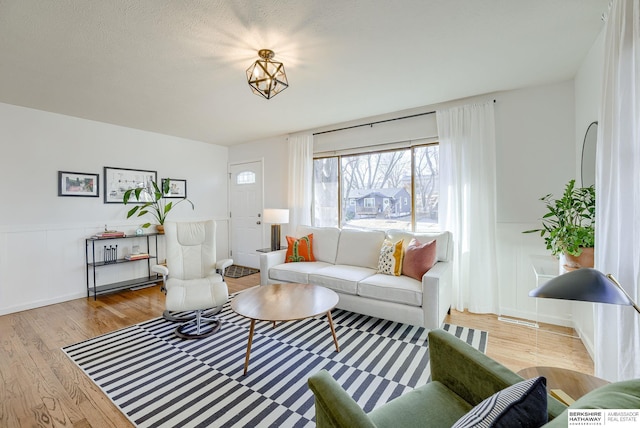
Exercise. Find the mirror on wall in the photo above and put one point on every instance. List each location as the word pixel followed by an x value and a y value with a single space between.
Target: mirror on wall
pixel 589 155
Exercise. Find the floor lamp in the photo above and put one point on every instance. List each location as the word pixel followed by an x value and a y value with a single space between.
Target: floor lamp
pixel 586 285
pixel 275 217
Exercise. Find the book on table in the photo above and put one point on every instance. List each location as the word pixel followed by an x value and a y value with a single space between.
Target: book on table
pixel 110 234
pixel 136 256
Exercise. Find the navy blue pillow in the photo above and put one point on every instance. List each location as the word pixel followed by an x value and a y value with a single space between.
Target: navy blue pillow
pixel 521 405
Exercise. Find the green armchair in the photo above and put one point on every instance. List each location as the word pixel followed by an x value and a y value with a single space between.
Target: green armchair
pixel 461 378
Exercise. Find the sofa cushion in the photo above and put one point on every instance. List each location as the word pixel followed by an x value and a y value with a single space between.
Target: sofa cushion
pixel 391 255
pixel 325 241
pixel 295 272
pixel 444 244
pixel 300 250
pixel 419 258
pixel 521 405
pixel 398 289
pixel 359 248
pixel 341 278
pixel 430 405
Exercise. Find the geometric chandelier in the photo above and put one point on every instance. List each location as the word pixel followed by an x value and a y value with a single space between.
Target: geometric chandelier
pixel 267 78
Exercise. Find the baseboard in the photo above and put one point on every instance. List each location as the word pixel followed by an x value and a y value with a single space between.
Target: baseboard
pixel 41 303
pixel 586 341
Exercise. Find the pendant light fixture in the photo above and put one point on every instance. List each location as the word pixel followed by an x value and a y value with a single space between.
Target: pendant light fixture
pixel 266 77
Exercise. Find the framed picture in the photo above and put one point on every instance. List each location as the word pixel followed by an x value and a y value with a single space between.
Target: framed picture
pixel 78 184
pixel 177 188
pixel 119 180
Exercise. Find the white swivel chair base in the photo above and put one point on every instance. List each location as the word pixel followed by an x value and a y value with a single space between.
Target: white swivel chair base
pixel 204 327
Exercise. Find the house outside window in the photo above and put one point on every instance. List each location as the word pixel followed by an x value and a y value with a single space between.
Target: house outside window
pixel 394 189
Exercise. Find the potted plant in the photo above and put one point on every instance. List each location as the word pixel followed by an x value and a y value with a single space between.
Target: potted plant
pixel 154 202
pixel 569 225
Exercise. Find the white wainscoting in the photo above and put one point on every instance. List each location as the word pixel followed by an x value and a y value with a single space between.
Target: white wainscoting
pixel 45 264
pixel 517 277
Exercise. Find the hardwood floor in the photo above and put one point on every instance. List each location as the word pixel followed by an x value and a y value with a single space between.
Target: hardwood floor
pixel 40 386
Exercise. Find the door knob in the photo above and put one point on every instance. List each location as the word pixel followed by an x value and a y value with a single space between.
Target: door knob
pixel 258 222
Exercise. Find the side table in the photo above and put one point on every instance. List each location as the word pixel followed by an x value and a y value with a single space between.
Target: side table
pixel 570 382
pixel 269 250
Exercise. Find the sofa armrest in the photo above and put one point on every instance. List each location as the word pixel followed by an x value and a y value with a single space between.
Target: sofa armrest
pixel 267 261
pixel 334 407
pixel 465 370
pixel 436 294
pixel 470 373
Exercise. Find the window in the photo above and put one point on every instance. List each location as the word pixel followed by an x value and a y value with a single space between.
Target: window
pixel 394 189
pixel 426 173
pixel 325 190
pixel 246 177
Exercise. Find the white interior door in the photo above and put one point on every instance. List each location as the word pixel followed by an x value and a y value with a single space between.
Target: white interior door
pixel 246 213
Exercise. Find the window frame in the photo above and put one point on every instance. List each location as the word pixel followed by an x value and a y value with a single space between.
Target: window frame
pixel 338 156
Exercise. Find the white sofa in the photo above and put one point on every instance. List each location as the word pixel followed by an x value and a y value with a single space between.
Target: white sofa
pixel 347 262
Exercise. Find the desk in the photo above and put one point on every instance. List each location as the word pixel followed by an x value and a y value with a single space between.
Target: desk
pixel 573 383
pixel 545 268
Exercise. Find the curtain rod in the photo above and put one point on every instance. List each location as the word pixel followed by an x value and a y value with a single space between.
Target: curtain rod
pixel 374 123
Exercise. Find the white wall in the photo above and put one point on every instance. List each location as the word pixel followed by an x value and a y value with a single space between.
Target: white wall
pixel 420 123
pixel 588 90
pixel 274 154
pixel 535 136
pixel 42 247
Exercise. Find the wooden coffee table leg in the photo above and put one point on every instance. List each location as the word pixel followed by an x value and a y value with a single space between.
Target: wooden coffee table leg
pixel 333 331
pixel 246 360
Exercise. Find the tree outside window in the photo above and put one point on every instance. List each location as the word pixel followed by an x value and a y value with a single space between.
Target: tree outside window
pixel 376 190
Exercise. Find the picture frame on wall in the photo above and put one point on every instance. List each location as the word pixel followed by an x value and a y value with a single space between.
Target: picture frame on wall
pixel 177 188
pixel 78 184
pixel 118 180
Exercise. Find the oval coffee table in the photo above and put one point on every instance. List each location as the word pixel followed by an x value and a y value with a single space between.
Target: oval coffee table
pixel 284 302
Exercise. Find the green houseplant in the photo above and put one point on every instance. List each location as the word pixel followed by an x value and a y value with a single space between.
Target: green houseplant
pixel 154 202
pixel 569 225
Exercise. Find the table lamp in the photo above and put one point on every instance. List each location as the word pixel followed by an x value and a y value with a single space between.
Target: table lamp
pixel 586 285
pixel 275 217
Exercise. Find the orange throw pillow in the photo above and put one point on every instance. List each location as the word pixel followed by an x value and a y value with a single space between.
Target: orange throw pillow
pixel 300 250
pixel 418 258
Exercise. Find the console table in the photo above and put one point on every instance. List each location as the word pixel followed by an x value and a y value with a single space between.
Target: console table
pixel 92 263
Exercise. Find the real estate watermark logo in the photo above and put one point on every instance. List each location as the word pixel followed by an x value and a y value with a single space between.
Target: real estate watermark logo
pixel 604 417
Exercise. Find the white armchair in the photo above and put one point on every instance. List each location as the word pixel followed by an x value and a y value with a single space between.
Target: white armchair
pixel 193 279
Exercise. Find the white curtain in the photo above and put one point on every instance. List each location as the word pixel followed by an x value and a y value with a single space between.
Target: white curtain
pixel 467 202
pixel 300 180
pixel 617 329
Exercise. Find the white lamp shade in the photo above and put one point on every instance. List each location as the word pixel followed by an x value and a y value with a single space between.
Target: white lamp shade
pixel 276 216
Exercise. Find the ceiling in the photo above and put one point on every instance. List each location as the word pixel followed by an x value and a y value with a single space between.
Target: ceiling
pixel 178 67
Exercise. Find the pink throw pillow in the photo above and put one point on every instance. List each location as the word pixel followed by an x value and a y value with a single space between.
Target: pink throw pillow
pixel 418 258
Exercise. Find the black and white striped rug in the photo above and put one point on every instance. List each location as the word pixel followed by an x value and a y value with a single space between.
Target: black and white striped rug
pixel 159 380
